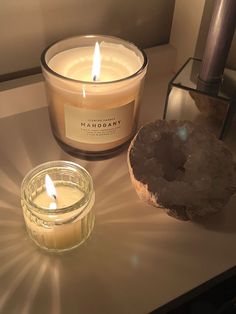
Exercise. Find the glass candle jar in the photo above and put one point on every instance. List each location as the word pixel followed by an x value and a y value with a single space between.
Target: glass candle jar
pixel 93 114
pixel 63 220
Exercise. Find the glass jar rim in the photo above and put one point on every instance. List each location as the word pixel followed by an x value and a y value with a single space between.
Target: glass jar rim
pixel 45 66
pixel 81 203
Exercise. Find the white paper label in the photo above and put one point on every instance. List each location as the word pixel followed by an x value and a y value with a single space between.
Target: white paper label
pixel 98 126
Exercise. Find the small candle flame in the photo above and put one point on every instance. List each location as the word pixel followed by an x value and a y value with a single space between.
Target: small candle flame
pixel 53 205
pixel 96 63
pixel 50 187
pixel 83 92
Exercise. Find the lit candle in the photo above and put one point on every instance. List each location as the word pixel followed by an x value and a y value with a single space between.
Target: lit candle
pixel 58 214
pixel 96 63
pixel 94 85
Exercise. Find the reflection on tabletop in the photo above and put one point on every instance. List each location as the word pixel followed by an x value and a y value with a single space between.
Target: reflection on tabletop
pixel 134 250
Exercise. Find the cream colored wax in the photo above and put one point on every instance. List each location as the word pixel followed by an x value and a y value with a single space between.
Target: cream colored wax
pixel 58 233
pixel 88 115
pixel 65 196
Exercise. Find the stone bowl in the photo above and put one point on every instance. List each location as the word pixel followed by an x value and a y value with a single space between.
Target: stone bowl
pixel 181 168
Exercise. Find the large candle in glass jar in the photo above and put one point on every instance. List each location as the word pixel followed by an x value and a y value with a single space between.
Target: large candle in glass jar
pixel 94 85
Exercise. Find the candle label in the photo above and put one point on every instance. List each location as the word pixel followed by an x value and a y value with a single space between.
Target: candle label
pixel 98 126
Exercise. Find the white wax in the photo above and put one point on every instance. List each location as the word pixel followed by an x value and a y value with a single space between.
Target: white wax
pixel 117 62
pixel 66 196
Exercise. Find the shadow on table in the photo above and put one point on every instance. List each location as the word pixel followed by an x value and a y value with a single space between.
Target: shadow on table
pixel 224 221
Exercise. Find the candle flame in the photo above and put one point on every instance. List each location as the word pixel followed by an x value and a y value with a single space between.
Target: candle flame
pixel 96 62
pixel 53 205
pixel 83 92
pixel 50 187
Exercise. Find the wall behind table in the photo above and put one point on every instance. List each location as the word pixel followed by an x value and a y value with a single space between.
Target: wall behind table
pixel 28 26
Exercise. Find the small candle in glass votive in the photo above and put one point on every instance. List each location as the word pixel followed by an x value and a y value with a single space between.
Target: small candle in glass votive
pixel 57 199
pixel 94 85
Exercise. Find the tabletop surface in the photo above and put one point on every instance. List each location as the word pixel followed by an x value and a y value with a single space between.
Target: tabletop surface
pixel 137 257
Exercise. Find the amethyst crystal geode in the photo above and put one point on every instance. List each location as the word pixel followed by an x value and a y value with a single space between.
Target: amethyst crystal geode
pixel 182 168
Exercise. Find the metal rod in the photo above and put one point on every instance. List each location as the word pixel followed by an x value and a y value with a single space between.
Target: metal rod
pixel 220 35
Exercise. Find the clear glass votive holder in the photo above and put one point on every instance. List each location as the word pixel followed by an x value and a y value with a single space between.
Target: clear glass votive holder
pixel 70 222
pixel 93 117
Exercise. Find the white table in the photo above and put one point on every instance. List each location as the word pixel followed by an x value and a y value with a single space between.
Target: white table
pixel 137 258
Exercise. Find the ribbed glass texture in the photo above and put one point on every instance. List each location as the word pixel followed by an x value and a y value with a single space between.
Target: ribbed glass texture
pixel 58 229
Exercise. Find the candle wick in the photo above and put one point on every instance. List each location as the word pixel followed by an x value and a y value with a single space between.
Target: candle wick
pixel 94 78
pixel 54 197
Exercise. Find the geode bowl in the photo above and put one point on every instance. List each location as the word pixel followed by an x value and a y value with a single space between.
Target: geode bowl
pixel 182 168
